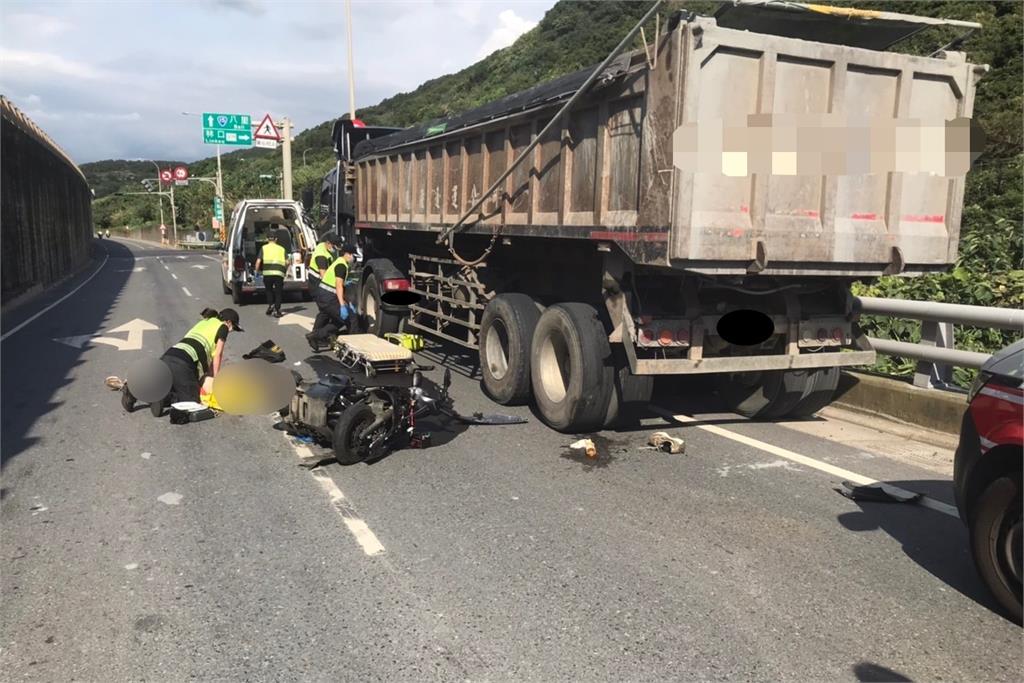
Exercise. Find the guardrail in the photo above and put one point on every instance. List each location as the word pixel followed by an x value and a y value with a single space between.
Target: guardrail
pixel 935 353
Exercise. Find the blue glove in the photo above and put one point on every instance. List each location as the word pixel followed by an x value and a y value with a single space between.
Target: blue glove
pixel 344 312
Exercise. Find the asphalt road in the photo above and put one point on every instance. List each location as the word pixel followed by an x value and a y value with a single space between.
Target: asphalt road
pixel 137 549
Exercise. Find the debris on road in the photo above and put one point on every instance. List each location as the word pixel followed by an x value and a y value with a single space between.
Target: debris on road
pixel 114 383
pixel 268 351
pixel 170 498
pixel 586 446
pixel 878 493
pixel 663 441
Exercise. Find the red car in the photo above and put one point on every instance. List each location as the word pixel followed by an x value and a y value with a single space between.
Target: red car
pixel 987 474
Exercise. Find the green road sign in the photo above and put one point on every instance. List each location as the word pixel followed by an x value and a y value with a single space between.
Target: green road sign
pixel 227 129
pixel 218 209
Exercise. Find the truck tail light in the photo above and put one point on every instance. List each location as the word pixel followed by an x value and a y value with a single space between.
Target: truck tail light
pixel 665 337
pixel 239 263
pixel 683 336
pixel 837 334
pixel 647 336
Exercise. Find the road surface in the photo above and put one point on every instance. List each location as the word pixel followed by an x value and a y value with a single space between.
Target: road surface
pixel 137 549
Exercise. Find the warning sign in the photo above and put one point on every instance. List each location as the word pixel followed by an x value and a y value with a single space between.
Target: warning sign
pixel 267 130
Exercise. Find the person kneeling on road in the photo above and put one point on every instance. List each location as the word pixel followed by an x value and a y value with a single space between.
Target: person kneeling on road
pixel 272 264
pixel 324 253
pixel 199 353
pixel 336 309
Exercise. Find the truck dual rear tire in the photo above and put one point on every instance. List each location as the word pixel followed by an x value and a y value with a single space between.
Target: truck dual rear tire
pixel 571 368
pixel 506 335
pixel 776 394
pixel 379 321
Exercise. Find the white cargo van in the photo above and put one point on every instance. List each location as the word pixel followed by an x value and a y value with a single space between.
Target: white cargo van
pixel 251 222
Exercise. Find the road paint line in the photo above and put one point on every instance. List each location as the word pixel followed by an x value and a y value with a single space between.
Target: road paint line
pixel 359 529
pixel 800 459
pixel 187 293
pixel 106 257
pixel 212 258
pixel 174 276
pixel 364 536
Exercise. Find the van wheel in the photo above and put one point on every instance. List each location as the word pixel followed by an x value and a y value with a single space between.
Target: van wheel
pixel 571 368
pixel 237 298
pixel 996 541
pixel 378 321
pixel 506 332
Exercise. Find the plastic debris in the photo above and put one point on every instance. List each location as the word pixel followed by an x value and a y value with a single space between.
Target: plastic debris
pixel 586 446
pixel 878 493
pixel 663 441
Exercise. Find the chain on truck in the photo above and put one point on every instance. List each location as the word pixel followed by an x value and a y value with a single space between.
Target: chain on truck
pixel 556 232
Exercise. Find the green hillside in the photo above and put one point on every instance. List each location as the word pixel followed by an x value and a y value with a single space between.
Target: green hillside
pixel 573 35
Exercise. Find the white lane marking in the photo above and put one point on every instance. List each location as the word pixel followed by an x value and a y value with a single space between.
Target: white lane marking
pixel 212 258
pixel 174 276
pixel 364 536
pixel 106 257
pixel 367 540
pixel 187 293
pixel 303 321
pixel 825 467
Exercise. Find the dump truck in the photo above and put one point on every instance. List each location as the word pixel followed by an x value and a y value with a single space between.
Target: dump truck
pixel 599 230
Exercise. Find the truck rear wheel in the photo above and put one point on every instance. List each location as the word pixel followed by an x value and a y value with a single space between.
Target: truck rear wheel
pixel 819 393
pixel 506 333
pixel 629 395
pixel 571 367
pixel 379 321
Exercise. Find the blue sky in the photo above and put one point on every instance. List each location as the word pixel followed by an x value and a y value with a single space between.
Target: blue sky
pixel 110 79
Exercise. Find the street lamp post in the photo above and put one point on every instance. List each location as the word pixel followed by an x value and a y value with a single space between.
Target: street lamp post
pixel 308 149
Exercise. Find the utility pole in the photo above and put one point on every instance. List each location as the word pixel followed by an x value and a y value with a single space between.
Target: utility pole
pixel 174 217
pixel 286 157
pixel 351 74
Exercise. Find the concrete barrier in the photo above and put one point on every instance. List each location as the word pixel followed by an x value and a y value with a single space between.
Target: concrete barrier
pixel 880 396
pixel 45 208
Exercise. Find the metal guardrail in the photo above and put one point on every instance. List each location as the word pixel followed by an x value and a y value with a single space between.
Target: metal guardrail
pixel 935 353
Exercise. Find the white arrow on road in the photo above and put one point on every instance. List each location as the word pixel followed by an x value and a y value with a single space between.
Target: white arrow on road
pixel 303 321
pixel 135 328
pixel 199 267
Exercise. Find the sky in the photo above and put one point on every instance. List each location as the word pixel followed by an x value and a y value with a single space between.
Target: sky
pixel 109 80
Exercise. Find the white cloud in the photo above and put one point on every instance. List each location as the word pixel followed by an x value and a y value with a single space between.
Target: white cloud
pixel 37 25
pixel 511 27
pixel 101 116
pixel 23 62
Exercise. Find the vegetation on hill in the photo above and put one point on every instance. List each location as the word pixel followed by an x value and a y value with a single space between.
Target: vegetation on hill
pixel 573 35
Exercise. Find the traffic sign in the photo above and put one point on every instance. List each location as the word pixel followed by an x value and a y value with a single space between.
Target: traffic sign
pixel 166 176
pixel 268 144
pixel 180 175
pixel 218 209
pixel 227 129
pixel 267 130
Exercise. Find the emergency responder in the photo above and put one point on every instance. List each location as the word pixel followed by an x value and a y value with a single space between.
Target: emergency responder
pixel 324 253
pixel 333 299
pixel 272 263
pixel 199 353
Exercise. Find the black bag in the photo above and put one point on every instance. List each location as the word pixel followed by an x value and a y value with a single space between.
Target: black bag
pixel 182 417
pixel 268 351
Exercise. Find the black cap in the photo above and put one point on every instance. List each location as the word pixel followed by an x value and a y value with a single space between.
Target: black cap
pixel 348 249
pixel 333 238
pixel 230 314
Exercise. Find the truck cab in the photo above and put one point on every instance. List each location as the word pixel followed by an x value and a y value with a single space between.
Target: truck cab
pixel 252 221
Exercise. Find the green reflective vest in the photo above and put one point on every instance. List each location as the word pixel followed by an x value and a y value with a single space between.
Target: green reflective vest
pixel 200 341
pixel 322 249
pixel 329 279
pixel 273 259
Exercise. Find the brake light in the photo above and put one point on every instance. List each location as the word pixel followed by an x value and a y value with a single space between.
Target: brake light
pixel 395 285
pixel 837 334
pixel 683 335
pixel 665 337
pixel 239 263
pixel 647 335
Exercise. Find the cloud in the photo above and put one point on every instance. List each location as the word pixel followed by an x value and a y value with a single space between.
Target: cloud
pixel 250 7
pixel 44 64
pixel 511 27
pixel 37 25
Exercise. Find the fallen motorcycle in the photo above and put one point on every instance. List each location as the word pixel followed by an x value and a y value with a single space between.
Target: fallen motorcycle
pixel 367 402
